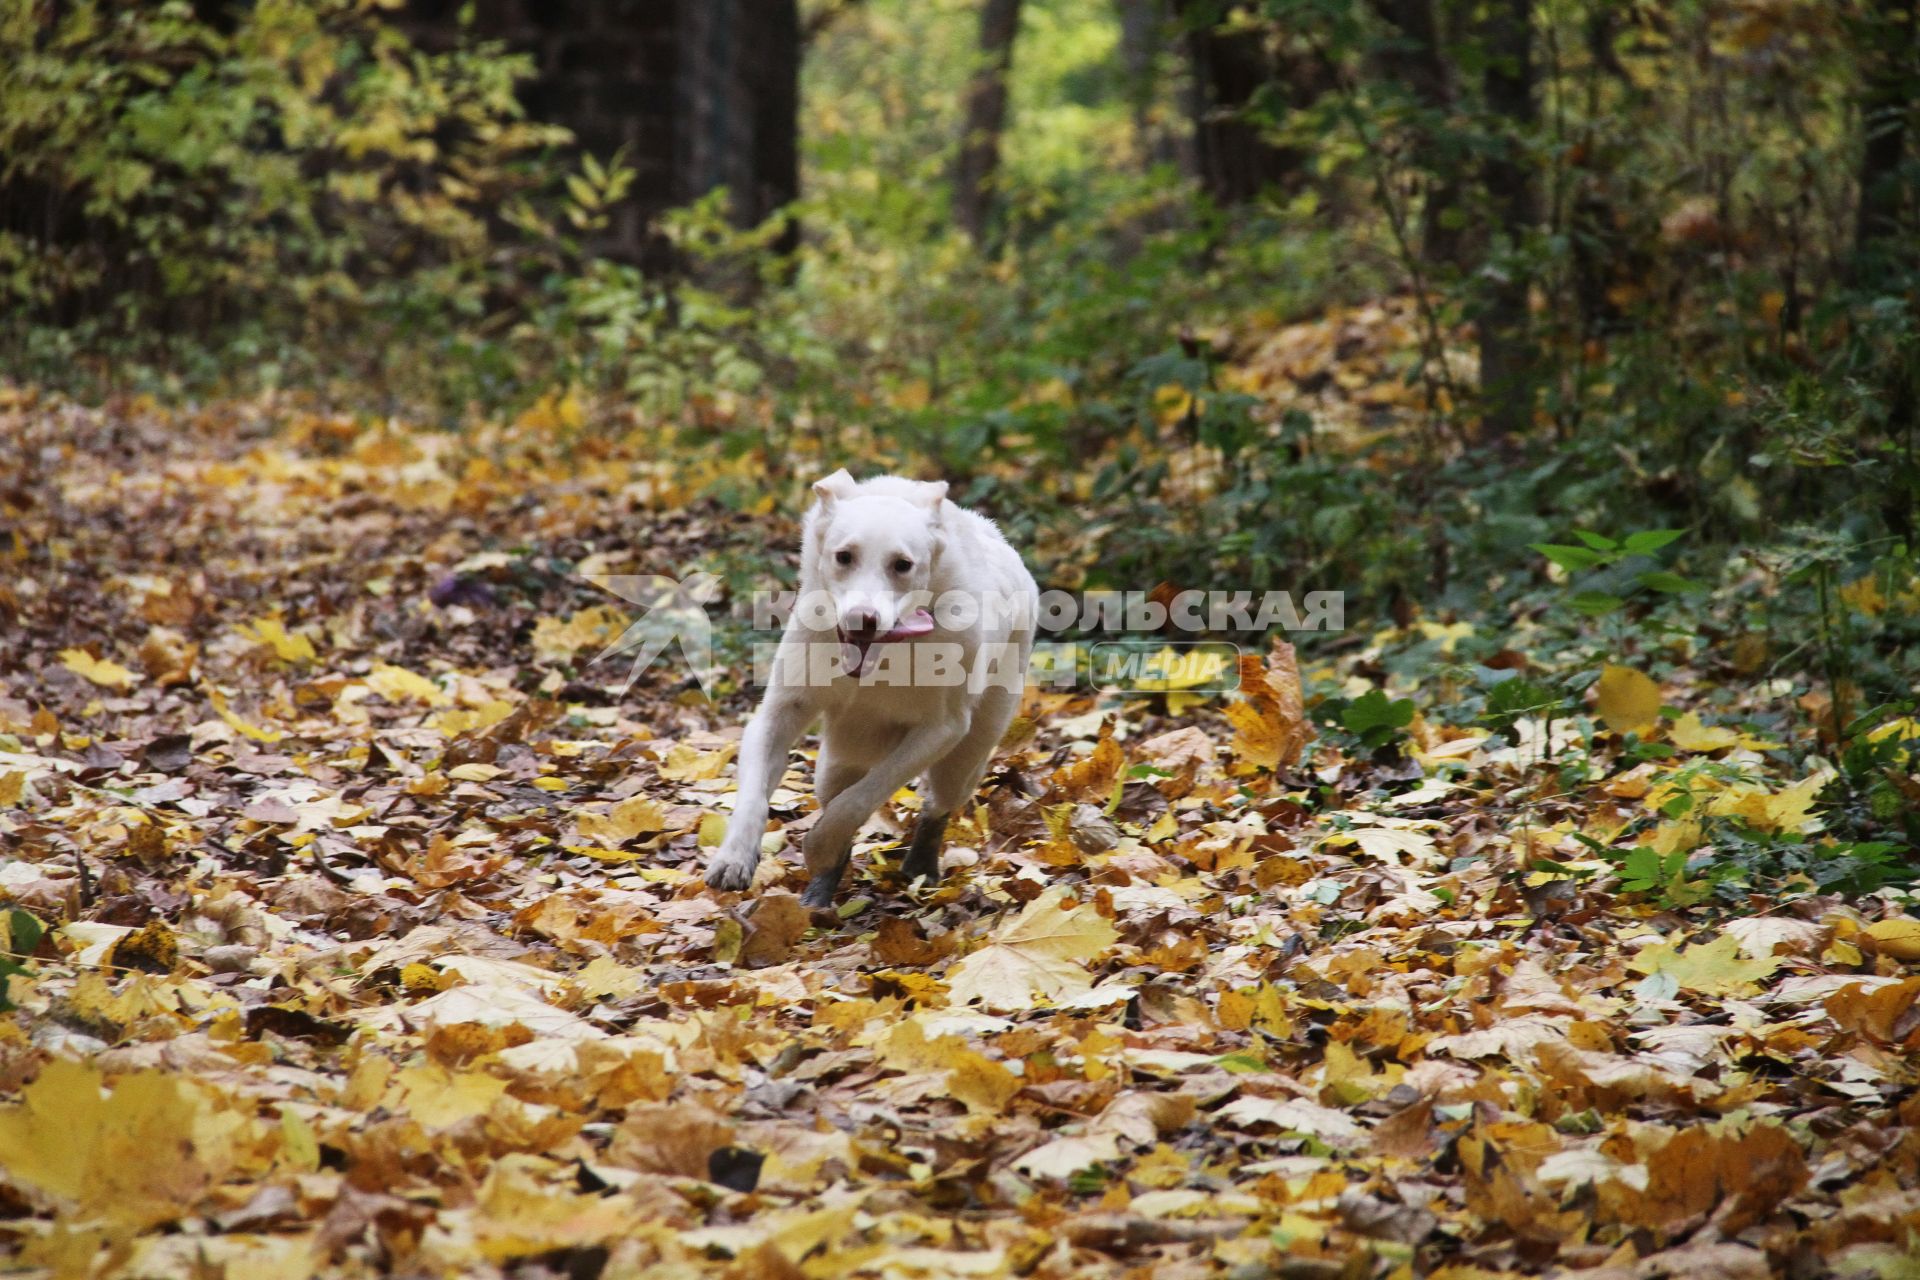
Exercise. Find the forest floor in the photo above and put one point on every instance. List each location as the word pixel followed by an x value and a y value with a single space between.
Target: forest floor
pixel 375 941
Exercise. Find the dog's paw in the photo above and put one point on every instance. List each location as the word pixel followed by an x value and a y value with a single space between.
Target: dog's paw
pixel 732 869
pixel 820 890
pixel 921 866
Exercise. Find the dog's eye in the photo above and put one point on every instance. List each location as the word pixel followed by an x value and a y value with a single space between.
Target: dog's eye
pixel 903 565
pixel 843 557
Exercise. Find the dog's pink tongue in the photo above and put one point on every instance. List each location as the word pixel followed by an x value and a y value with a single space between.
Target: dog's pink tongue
pixel 917 623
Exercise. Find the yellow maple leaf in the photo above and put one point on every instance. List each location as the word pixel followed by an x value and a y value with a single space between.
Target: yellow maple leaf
pixel 1788 810
pixel 641 815
pixel 914 394
pixel 475 771
pixel 1270 719
pixel 1092 776
pixel 1626 699
pixel 1898 937
pixel 1039 955
pixel 1174 671
pixel 139 1153
pixel 596 627
pixel 1906 730
pixel 517 1213
pixel 1792 809
pixel 219 701
pixel 1672 836
pixel 1689 734
pixel 455 721
pixel 439 1098
pixel 1262 1007
pixel 288 646
pixel 974 1080
pixel 556 410
pixel 397 684
pixel 1397 845
pixel 1712 968
pixel 1449 635
pixel 606 978
pixel 1864 595
pixel 101 671
pixel 1171 403
pixel 685 763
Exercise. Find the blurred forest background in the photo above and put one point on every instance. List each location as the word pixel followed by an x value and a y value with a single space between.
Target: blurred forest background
pixel 1559 912
pixel 1366 293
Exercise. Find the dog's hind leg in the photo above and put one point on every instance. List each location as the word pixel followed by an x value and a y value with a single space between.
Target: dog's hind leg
pixel 923 855
pixel 828 843
pixel 953 779
pixel 832 774
pixel 825 883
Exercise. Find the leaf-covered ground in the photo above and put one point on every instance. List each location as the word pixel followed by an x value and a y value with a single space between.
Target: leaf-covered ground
pixel 376 943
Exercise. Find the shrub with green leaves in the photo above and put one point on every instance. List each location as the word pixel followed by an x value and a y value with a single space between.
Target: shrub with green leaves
pixel 291 165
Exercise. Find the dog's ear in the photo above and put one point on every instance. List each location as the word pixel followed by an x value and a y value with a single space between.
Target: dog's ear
pixel 837 485
pixel 931 494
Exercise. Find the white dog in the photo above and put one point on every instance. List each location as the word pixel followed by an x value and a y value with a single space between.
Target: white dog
pixel 906 691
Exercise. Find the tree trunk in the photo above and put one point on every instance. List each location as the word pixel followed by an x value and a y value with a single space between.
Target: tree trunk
pixel 1506 355
pixel 1231 68
pixel 1883 238
pixel 775 71
pixel 1885 110
pixel 1143 30
pixel 1417 60
pixel 693 94
pixel 979 160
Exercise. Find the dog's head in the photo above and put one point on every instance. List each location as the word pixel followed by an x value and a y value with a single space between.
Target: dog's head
pixel 872 548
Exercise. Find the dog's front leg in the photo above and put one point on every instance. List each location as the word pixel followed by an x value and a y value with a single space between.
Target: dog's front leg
pixel 763 760
pixel 829 845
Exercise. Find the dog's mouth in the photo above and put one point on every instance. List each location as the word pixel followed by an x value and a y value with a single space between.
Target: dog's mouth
pixel 858 645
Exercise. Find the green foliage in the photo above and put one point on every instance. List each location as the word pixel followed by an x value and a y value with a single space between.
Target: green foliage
pixel 1744 861
pixel 286 174
pixel 1512 697
pixel 1646 870
pixel 1375 719
pixel 298 190
pixel 23 934
pixel 1615 569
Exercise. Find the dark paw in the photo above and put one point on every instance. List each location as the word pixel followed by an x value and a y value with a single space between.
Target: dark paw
pixel 820 890
pixel 922 862
pixel 921 865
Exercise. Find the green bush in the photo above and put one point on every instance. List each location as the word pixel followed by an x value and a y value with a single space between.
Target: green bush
pixel 287 170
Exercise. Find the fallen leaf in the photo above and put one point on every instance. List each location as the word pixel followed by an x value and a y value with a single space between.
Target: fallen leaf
pixel 1294 1115
pixel 1899 937
pixel 94 1146
pixel 1271 729
pixel 1713 968
pixel 100 671
pixel 1040 955
pixel 776 922
pixel 638 816
pixel 1626 700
